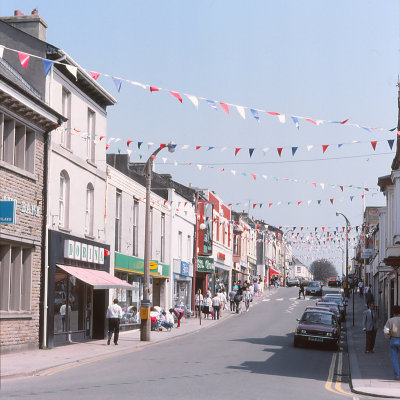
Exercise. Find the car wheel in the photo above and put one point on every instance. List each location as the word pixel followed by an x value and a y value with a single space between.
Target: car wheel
pixel 296 342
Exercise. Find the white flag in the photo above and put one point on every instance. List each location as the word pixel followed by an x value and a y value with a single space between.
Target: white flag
pixel 110 140
pixel 223 149
pixel 185 147
pixel 73 70
pixel 309 202
pixel 199 166
pixel 149 144
pixel 265 177
pixel 241 111
pixel 265 149
pixel 164 159
pixel 129 151
pixel 138 84
pixel 233 171
pixel 309 147
pixel 322 186
pixel 193 99
pixel 282 118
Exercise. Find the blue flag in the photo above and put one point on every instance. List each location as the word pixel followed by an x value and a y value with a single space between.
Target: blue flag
pixel 47 64
pixel 294 149
pixel 117 83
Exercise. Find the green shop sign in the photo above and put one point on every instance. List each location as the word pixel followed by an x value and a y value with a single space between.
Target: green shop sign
pixel 205 264
pixel 136 265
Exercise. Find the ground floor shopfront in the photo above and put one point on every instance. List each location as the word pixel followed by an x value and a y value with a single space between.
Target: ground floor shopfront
pixel 78 282
pixel 205 274
pixel 240 272
pixel 131 270
pixel 182 285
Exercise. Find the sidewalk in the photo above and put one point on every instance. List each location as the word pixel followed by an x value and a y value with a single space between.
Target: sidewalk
pixel 36 362
pixel 371 374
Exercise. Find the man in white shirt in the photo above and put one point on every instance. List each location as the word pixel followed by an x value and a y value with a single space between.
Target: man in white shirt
pixel 216 304
pixel 114 315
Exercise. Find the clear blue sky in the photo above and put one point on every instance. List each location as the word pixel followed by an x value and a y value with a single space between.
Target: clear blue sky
pixel 325 60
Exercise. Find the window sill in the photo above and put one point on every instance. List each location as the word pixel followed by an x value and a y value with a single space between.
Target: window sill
pixel 63 229
pixel 63 146
pixel 18 170
pixel 90 162
pixel 15 315
pixel 87 236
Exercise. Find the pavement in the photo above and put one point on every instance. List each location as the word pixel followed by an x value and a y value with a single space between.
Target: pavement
pixel 372 373
pixel 46 361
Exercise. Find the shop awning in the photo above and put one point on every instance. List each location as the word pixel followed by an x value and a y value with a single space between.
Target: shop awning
pixel 273 271
pixel 97 279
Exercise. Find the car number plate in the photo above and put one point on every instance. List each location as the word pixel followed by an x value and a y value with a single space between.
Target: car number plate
pixel 315 339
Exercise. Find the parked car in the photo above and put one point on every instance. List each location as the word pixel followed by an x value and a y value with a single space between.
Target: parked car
pixel 317 326
pixel 339 301
pixel 293 282
pixel 333 281
pixel 314 288
pixel 333 307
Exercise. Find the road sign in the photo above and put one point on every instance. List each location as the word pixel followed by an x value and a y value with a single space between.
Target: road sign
pixel 367 253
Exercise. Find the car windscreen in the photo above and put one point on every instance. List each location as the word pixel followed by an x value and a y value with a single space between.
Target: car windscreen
pixel 314 284
pixel 330 305
pixel 317 318
pixel 335 300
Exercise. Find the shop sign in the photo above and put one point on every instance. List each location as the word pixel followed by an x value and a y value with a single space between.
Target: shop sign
pixel 75 250
pixel 184 268
pixel 7 212
pixel 25 208
pixel 243 264
pixel 367 253
pixel 205 264
pixel 221 256
pixel 135 264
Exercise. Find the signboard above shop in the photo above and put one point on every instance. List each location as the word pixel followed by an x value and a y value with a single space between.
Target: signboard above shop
pixel 80 251
pixel 205 264
pixel 367 253
pixel 7 212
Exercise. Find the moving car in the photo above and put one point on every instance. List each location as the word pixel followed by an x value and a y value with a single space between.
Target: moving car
pixel 333 281
pixel 317 326
pixel 293 282
pixel 314 288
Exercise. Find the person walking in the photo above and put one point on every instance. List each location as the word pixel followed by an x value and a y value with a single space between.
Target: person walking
pixel 222 298
pixel 360 288
pixel 369 327
pixel 216 304
pixel 235 287
pixel 238 298
pixel 231 296
pixel 206 305
pixel 369 297
pixel 301 290
pixel 114 315
pixel 246 299
pixel 392 332
pixel 198 301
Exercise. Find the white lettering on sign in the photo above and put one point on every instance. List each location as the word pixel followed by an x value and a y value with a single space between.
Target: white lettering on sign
pixel 95 255
pixel 25 208
pixel 84 252
pixel 77 255
pixel 69 249
pixel 90 254
pixel 101 255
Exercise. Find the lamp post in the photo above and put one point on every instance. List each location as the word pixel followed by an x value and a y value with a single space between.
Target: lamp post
pixel 347 252
pixel 147 172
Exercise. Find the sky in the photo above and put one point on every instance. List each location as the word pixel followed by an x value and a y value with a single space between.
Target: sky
pixel 328 61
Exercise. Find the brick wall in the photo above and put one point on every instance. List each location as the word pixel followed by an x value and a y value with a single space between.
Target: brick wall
pixel 18 333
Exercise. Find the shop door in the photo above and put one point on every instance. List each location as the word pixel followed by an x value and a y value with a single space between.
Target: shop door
pixel 99 314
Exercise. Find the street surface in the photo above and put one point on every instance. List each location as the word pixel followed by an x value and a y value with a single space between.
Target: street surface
pixel 249 356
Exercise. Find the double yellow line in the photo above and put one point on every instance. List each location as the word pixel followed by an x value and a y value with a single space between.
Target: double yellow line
pixel 337 385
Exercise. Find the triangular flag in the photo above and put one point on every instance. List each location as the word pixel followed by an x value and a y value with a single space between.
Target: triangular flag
pixel 193 99
pixel 373 144
pixel 341 188
pixel 139 144
pixel 154 89
pixel 324 147
pixel 309 147
pixel 233 172
pixel 331 200
pixel 119 150
pixel 117 83
pixel 24 59
pixel 237 150
pixel 129 152
pixel 282 118
pixel 314 183
pixel 340 145
pixel 72 70
pixel 270 204
pixel 310 120
pixel 198 147
pixel 322 186
pixel 319 201
pixel 294 149
pixel 298 203
pixel 390 143
pixel 213 104
pixel 255 114
pixel 176 95
pixel 95 75
pixel 47 64
pixel 279 149
pixel 254 176
pixel 1 51
pixel 296 122
pixel 225 107
pixel 351 198
pixel 251 151
pixel 101 137
pixel 241 111
pixel 107 146
pixel 162 145
pixel 128 143
pixel 164 159
pixel 210 148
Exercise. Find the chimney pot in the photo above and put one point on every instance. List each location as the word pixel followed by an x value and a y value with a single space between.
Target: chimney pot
pixel 18 13
pixel 35 11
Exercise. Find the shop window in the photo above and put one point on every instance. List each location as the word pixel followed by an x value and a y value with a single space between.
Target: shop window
pixel 15 278
pixel 118 205
pixel 63 199
pixel 135 219
pixel 89 209
pixel 91 132
pixel 66 112
pixel 17 143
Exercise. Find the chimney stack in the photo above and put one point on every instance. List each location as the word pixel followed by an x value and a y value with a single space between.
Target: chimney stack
pixel 31 24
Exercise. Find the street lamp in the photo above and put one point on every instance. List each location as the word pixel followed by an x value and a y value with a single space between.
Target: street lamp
pixel 347 252
pixel 147 172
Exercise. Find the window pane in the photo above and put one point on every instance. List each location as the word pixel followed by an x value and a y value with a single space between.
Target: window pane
pixel 15 279
pixel 26 280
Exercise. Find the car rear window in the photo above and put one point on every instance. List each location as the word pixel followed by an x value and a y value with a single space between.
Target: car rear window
pixel 314 284
pixel 317 318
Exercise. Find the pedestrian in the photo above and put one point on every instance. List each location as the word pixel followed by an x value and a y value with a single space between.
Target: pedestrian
pixel 231 296
pixel 179 313
pixel 369 327
pixel 114 315
pixel 392 332
pixel 369 297
pixel 206 305
pixel 360 288
pixel 238 298
pixel 222 297
pixel 235 287
pixel 167 320
pixel 251 290
pixel 246 299
pixel 198 301
pixel 301 290
pixel 255 284
pixel 276 282
pixel 216 304
pixel 260 286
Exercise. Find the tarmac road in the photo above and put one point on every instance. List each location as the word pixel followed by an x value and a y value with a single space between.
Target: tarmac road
pixel 249 356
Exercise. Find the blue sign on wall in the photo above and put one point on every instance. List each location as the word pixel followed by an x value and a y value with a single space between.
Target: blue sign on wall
pixel 7 212
pixel 184 268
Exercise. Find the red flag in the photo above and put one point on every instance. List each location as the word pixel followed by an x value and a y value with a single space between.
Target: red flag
pixel 373 143
pixel 331 200
pixel 177 95
pixel 237 150
pixel 128 143
pixel 162 145
pixel 254 176
pixel 310 120
pixel 95 75
pixel 154 89
pixel 198 147
pixel 324 147
pixel 343 122
pixel 254 205
pixel 270 204
pixel 165 202
pixel 298 203
pixel 314 183
pixel 225 107
pixel 24 59
pixel 341 187
pixel 102 137
pixel 362 196
pixel 107 146
pixel 279 150
pixel 272 113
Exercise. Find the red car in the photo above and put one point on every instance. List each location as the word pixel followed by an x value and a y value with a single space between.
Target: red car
pixel 333 281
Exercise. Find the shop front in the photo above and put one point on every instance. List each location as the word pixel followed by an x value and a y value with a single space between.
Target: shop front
pixel 252 269
pixel 131 270
pixel 205 274
pixel 77 289
pixel 183 277
pixel 222 274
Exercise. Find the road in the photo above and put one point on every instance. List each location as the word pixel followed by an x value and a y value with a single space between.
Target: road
pixel 250 355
